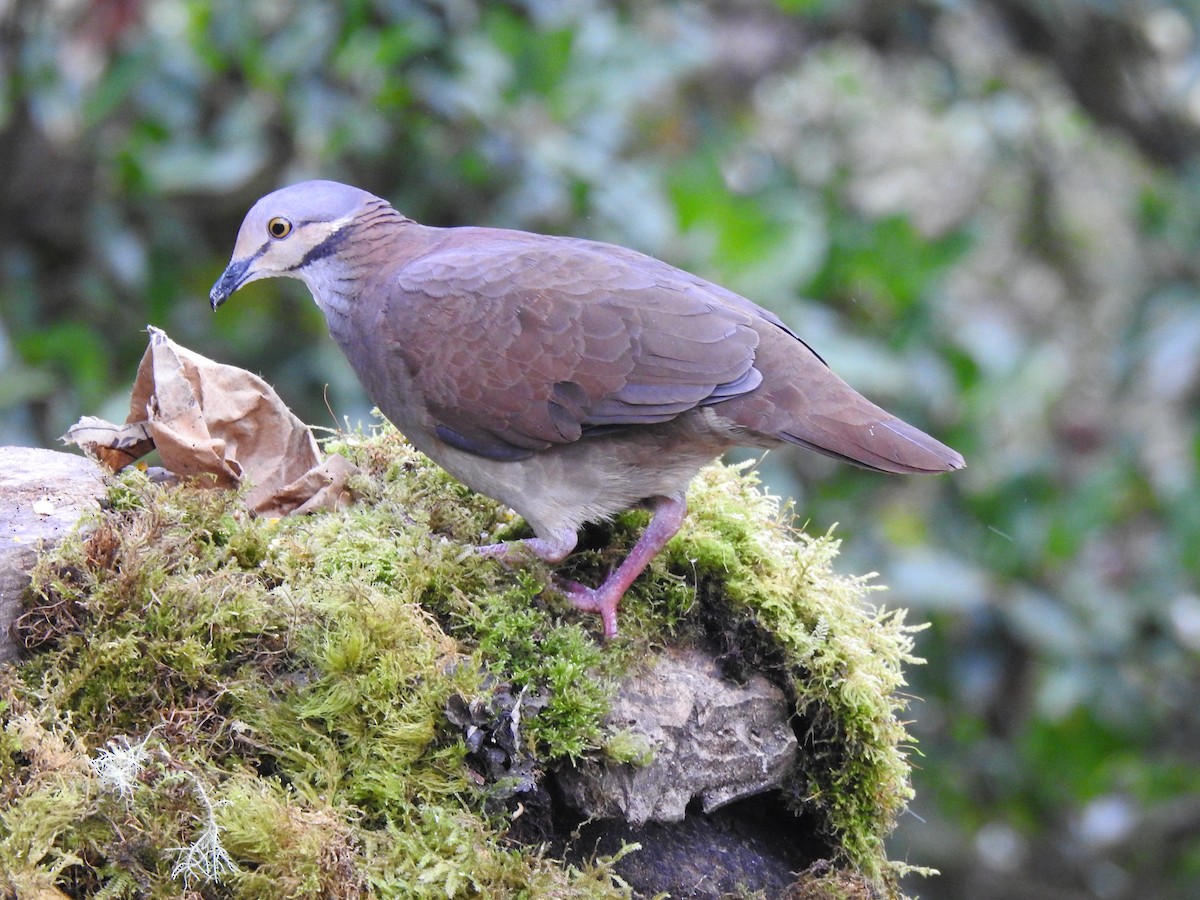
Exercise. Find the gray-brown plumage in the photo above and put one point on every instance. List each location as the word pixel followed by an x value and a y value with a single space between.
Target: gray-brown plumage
pixel 566 378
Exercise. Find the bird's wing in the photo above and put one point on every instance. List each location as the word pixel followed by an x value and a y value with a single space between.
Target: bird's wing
pixel 519 343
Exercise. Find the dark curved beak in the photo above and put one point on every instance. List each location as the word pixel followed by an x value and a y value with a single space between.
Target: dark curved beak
pixel 231 279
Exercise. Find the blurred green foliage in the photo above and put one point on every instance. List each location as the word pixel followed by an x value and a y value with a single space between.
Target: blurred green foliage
pixel 983 214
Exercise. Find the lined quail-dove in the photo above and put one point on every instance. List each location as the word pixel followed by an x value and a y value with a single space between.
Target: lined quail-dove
pixel 569 379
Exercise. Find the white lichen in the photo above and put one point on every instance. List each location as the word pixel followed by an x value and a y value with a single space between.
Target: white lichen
pixel 119 764
pixel 203 859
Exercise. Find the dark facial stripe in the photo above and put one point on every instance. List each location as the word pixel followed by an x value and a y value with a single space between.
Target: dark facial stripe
pixel 327 247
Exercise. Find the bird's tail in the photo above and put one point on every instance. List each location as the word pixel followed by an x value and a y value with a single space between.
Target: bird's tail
pixel 802 401
pixel 873 439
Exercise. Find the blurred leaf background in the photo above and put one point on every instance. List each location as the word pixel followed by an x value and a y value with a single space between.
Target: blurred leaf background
pixel 983 213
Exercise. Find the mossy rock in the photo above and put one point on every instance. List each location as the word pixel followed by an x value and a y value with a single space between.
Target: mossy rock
pixel 259 708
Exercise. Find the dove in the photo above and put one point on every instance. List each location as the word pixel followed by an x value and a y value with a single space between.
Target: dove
pixel 566 378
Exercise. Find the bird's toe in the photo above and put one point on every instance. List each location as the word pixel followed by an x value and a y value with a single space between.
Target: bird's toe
pixel 594 600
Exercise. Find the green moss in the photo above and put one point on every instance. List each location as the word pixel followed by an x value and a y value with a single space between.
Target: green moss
pixel 628 746
pixel 40 815
pixel 286 685
pixel 775 600
pixel 769 595
pixel 288 845
pixel 738 574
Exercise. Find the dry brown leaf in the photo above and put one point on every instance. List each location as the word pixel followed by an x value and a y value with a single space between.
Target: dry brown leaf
pixel 207 418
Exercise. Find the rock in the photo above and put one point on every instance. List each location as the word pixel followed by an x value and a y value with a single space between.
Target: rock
pixel 714 743
pixel 711 739
pixel 755 845
pixel 43 493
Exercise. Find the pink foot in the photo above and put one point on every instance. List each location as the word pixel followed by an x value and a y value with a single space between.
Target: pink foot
pixel 594 600
pixel 604 600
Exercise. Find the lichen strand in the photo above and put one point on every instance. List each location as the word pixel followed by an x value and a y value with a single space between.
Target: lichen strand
pixel 278 689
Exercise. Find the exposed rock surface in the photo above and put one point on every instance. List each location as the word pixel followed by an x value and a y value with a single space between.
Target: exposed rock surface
pixel 43 493
pixel 755 844
pixel 712 740
pixel 704 809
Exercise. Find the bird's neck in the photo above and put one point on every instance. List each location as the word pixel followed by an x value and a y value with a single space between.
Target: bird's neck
pixel 334 288
pixel 369 249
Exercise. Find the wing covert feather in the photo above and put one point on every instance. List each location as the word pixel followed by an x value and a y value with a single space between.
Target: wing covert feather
pixel 519 342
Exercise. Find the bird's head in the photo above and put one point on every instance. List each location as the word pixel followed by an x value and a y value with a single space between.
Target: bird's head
pixel 288 230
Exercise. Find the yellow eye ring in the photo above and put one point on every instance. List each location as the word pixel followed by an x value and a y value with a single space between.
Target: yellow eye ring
pixel 279 227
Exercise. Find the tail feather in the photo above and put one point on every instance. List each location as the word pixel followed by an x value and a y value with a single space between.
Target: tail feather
pixel 803 402
pixel 886 444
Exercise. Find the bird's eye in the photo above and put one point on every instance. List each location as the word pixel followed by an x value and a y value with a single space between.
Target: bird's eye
pixel 279 227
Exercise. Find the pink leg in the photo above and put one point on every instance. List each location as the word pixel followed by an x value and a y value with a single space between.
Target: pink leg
pixel 668 516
